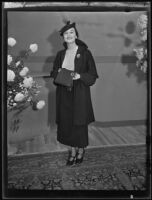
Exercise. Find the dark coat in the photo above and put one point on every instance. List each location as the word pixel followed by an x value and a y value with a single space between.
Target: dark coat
pixel 84 65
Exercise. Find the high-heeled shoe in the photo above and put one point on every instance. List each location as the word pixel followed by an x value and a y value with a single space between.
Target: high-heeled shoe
pixel 71 159
pixel 80 156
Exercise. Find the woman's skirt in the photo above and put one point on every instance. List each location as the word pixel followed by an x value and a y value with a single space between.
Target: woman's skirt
pixel 67 133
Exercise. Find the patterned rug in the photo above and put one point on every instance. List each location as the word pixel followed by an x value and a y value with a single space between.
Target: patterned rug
pixel 103 168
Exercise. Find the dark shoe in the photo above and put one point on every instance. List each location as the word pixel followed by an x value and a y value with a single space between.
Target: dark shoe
pixel 71 160
pixel 80 155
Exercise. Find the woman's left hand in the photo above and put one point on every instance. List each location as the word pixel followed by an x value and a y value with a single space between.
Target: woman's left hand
pixel 76 76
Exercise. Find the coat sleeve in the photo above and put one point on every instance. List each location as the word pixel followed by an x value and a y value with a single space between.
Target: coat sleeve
pixel 56 65
pixel 91 75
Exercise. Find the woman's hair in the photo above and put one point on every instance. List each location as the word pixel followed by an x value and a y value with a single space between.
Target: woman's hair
pixel 76 32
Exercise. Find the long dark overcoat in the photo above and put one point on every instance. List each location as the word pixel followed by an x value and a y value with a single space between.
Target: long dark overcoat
pixel 82 105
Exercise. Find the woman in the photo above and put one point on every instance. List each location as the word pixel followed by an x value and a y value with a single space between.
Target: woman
pixel 74 107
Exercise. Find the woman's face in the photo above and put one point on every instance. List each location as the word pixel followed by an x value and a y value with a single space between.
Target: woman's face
pixel 69 35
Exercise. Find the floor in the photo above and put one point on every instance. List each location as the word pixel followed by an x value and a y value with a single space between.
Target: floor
pixel 98 136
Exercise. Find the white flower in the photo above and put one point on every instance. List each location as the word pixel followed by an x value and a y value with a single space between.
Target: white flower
pixel 144 35
pixel 145 64
pixel 18 63
pixel 10 75
pixel 144 68
pixel 33 48
pixel 24 71
pixel 19 97
pixel 24 88
pixel 28 81
pixel 139 53
pixel 40 104
pixel 9 59
pixel 142 21
pixel 11 41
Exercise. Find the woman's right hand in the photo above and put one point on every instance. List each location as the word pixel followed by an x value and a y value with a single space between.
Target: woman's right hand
pixel 76 76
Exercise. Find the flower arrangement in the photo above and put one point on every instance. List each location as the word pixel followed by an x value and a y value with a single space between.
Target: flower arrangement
pixel 141 52
pixel 21 87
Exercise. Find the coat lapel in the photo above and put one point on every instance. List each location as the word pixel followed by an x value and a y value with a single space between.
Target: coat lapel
pixel 78 59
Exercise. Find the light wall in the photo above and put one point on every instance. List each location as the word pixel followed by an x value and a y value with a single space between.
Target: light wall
pixel 119 94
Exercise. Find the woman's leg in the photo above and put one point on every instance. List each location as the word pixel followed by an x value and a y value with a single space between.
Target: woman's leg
pixel 80 155
pixel 73 151
pixel 72 156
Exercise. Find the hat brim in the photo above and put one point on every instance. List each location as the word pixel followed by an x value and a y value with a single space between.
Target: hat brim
pixel 66 27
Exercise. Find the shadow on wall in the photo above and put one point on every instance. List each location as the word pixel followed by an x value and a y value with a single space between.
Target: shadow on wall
pixel 56 44
pixel 129 59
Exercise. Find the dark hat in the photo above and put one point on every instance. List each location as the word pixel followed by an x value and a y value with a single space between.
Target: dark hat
pixel 66 27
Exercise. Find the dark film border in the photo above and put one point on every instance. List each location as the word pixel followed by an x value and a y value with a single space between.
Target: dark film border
pixel 69 7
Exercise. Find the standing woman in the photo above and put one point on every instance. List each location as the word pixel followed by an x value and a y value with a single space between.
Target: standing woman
pixel 74 106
